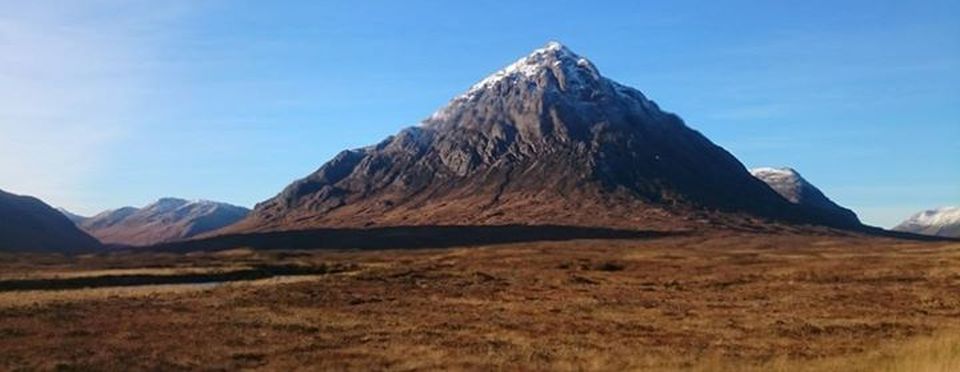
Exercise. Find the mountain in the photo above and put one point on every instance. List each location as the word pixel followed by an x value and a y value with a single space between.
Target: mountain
pixel 937 222
pixel 28 224
pixel 546 140
pixel 792 186
pixel 165 220
pixel 73 217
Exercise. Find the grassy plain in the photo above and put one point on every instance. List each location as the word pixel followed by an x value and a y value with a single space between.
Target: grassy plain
pixel 712 301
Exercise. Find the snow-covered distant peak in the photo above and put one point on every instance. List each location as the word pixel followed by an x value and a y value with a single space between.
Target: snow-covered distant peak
pixel 203 205
pixel 774 172
pixel 944 221
pixel 792 186
pixel 785 181
pixel 936 217
pixel 165 204
pixel 205 202
pixel 175 203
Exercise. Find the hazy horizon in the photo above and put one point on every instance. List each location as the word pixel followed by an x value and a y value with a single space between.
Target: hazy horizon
pixel 110 104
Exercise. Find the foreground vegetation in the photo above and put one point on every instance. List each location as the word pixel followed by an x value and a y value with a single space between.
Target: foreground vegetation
pixel 719 301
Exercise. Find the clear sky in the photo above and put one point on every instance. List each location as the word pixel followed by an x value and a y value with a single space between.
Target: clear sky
pixel 112 103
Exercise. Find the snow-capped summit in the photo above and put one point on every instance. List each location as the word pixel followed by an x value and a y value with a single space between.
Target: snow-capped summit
pixel 553 70
pixel 792 186
pixel 165 205
pixel 784 180
pixel 944 221
pixel 552 56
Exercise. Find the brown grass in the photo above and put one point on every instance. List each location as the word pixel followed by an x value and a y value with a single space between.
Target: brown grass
pixel 938 353
pixel 717 302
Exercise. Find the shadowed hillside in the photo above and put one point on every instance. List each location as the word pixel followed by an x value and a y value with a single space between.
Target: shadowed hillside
pixel 28 224
pixel 404 237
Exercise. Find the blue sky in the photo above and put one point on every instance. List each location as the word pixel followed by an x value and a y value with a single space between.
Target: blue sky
pixel 112 103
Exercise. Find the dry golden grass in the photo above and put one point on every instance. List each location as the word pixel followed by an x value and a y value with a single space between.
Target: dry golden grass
pixel 35 298
pixel 938 353
pixel 712 302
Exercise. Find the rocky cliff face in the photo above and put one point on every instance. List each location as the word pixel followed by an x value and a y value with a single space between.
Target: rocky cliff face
pixel 548 139
pixel 792 186
pixel 165 220
pixel 28 224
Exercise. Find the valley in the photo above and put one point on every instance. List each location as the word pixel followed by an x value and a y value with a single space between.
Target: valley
pixel 711 300
pixel 547 218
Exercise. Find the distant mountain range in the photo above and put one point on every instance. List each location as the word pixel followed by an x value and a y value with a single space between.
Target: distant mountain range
pixel 943 221
pixel 546 140
pixel 165 220
pixel 792 186
pixel 28 224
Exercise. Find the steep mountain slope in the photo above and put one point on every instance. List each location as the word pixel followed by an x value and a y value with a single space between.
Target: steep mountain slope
pixel 28 224
pixel 943 221
pixel 792 186
pixel 165 220
pixel 545 140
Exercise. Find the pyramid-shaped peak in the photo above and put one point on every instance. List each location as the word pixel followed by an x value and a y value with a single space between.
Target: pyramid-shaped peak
pixel 552 75
pixel 553 57
pixel 545 140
